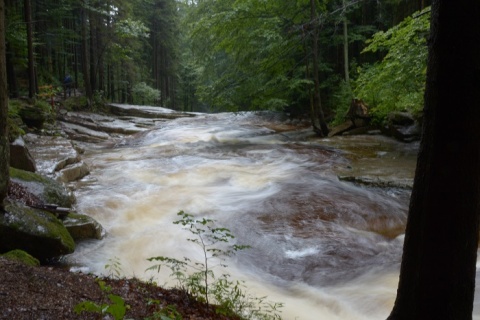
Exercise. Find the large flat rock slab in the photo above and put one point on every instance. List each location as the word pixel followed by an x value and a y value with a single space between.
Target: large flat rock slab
pixel 146 111
pixel 52 153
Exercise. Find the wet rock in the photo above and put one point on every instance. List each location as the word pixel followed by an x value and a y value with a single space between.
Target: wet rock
pixel 73 172
pixel 102 124
pixel 45 189
pixel 37 232
pixel 83 227
pixel 379 182
pixel 402 126
pixel 84 134
pixel 401 119
pixel 146 112
pixel 340 129
pixel 52 153
pixel 20 156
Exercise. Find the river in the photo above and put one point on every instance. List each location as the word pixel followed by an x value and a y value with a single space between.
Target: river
pixel 325 247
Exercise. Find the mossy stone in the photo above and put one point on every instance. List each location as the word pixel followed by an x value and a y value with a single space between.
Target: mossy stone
pixel 37 232
pixel 48 190
pixel 83 227
pixel 21 256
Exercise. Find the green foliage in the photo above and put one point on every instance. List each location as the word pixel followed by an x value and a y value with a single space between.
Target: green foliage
pixel 21 256
pixel 130 28
pixel 144 94
pixel 199 280
pixel 114 268
pixel 116 308
pixel 167 313
pixel 397 82
pixel 342 98
pixel 14 122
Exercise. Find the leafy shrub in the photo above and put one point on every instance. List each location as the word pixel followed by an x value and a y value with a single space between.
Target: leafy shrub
pixel 341 99
pixel 199 280
pixel 116 308
pixel 14 122
pixel 144 94
pixel 396 83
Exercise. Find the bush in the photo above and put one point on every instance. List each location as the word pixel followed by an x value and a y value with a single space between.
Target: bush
pixel 198 279
pixel 144 94
pixel 397 83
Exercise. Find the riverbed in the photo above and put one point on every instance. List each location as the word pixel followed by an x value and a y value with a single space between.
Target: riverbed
pixel 324 218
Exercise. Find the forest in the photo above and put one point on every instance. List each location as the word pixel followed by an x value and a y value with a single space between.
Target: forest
pixel 304 56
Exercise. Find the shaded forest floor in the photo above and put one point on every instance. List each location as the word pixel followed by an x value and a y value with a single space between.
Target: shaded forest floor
pixel 48 292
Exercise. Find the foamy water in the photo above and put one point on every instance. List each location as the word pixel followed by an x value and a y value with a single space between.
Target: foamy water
pixel 327 249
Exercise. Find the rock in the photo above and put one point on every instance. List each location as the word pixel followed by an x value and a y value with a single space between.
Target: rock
pixel 379 182
pixel 37 232
pixel 20 156
pixel 402 126
pixel 145 111
pixel 83 227
pixel 21 256
pixel 52 153
pixel 46 189
pixel 32 117
pixel 340 129
pixel 73 172
pixel 401 119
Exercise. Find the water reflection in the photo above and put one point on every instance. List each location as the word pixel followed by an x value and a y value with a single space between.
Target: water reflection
pixel 327 248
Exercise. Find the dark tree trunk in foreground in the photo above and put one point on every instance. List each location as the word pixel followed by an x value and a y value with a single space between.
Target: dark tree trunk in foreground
pixel 437 277
pixel 4 146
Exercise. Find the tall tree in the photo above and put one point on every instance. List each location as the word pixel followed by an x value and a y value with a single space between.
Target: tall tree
pixel 437 276
pixel 4 146
pixel 31 64
pixel 85 51
pixel 319 123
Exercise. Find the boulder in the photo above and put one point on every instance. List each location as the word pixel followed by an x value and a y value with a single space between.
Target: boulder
pixel 52 153
pixel 83 227
pixel 47 190
pixel 401 119
pixel 73 172
pixel 340 129
pixel 402 126
pixel 20 156
pixel 21 256
pixel 32 117
pixel 37 232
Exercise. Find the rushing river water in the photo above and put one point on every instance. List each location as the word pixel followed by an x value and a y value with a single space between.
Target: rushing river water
pixel 327 248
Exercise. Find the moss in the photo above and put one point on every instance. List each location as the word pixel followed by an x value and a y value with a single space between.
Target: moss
pixel 21 256
pixel 49 190
pixel 26 175
pixel 38 232
pixel 83 227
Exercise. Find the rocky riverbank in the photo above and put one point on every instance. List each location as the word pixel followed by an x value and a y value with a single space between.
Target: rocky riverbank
pixel 41 217
pixel 43 163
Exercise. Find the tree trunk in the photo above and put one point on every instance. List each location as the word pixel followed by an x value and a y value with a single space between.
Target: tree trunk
pixel 319 123
pixel 437 276
pixel 346 67
pixel 85 65
pixel 4 145
pixel 31 64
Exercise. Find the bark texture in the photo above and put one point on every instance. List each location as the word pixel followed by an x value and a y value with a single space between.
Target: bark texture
pixel 4 146
pixel 437 276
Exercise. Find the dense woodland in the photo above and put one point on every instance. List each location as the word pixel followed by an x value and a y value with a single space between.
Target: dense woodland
pixel 303 56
